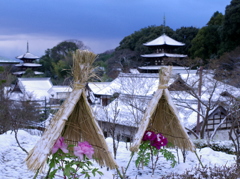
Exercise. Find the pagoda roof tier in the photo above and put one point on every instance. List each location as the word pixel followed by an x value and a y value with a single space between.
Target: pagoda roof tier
pixel 38 73
pixel 23 72
pixel 154 55
pixel 175 69
pixel 27 55
pixel 28 65
pixel 164 40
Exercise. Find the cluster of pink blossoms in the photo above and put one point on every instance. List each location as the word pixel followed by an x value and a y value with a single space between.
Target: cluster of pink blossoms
pixel 156 140
pixel 83 148
pixel 60 144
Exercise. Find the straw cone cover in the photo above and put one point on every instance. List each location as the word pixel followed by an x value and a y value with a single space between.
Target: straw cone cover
pixel 74 120
pixel 161 116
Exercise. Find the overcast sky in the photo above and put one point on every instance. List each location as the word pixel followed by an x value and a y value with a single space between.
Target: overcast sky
pixel 99 24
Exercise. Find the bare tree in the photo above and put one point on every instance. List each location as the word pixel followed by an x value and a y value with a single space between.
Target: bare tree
pixel 5 103
pixel 136 91
pixel 79 44
pixel 109 122
pixel 228 67
pixel 201 99
pixel 234 132
pixel 131 94
pixel 15 114
pixel 122 61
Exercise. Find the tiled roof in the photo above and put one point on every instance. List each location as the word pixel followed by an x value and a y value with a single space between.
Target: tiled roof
pixel 29 65
pixel 154 55
pixel 164 40
pixel 28 56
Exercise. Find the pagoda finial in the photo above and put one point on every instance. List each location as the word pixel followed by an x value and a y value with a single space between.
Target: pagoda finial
pixel 27 48
pixel 164 23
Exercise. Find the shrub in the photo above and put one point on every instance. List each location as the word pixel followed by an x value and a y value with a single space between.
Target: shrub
pixel 222 146
pixel 226 172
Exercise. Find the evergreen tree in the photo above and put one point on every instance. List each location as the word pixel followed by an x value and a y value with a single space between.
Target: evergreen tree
pixel 231 27
pixel 207 41
pixel 57 62
pixel 185 35
pixel 134 42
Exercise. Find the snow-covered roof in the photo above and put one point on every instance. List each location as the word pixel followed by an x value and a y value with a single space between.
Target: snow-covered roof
pixel 19 72
pixel 131 110
pixel 35 83
pixel 27 55
pixel 23 72
pixel 38 73
pixel 98 86
pixel 175 69
pixel 8 60
pixel 154 55
pixel 129 114
pixel 128 83
pixel 164 40
pixel 35 88
pixel 60 89
pixel 210 87
pixel 188 117
pixel 29 65
pixel 144 85
pixel 134 71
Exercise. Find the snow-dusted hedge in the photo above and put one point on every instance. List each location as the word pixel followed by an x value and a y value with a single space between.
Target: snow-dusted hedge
pixel 223 146
pixel 216 172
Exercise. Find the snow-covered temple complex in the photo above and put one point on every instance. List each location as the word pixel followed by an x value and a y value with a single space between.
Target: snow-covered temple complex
pixel 28 62
pixel 129 94
pixel 162 48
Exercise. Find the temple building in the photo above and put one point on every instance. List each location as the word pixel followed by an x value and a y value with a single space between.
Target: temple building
pixel 28 62
pixel 163 54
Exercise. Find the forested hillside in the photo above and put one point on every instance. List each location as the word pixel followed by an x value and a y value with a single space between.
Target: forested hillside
pixel 207 45
pixel 212 46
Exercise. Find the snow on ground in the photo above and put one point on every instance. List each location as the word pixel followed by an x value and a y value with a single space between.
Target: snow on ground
pixel 12 164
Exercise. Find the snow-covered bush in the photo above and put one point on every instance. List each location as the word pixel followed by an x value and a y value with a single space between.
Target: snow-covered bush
pixel 216 172
pixel 223 146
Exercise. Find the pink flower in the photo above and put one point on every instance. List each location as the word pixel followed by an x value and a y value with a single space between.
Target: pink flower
pixel 149 135
pixel 83 148
pixel 60 144
pixel 78 152
pixel 159 141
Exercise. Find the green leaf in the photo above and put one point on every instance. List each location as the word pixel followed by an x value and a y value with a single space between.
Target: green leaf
pixel 67 170
pixel 169 156
pixel 100 173
pixel 94 171
pixel 87 175
pixel 52 174
pixel 52 163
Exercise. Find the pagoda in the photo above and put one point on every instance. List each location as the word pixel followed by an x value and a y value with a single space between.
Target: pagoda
pixel 163 50
pixel 28 62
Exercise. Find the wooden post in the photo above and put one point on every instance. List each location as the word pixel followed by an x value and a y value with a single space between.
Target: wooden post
pixel 45 108
pixel 199 102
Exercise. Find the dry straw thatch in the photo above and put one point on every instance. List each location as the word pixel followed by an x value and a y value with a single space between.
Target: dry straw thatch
pixel 74 120
pixel 161 116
